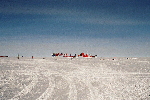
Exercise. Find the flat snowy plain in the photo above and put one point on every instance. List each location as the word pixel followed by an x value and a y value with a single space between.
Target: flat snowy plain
pixel 76 79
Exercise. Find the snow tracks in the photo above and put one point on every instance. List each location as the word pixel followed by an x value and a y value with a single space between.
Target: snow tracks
pixel 66 79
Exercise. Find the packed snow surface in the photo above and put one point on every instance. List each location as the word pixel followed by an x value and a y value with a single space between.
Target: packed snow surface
pixel 75 79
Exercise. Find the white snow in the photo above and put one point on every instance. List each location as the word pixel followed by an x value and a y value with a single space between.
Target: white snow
pixel 75 79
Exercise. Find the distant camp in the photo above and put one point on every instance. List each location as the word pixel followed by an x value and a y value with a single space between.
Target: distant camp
pixel 74 56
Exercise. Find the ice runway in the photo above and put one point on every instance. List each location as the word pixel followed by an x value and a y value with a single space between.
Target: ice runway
pixel 76 79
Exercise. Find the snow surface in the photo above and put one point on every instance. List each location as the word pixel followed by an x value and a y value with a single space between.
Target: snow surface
pixel 75 79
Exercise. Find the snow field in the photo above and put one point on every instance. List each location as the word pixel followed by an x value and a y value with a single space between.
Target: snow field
pixel 76 79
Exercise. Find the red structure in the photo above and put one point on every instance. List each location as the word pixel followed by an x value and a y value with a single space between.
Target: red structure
pixel 3 56
pixel 86 55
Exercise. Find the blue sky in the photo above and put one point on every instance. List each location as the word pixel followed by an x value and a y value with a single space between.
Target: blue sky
pixel 108 28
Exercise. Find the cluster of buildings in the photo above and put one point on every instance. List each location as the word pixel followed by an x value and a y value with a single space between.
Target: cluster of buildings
pixel 67 55
pixel 74 56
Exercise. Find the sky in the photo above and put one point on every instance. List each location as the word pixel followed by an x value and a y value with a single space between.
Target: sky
pixel 107 28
